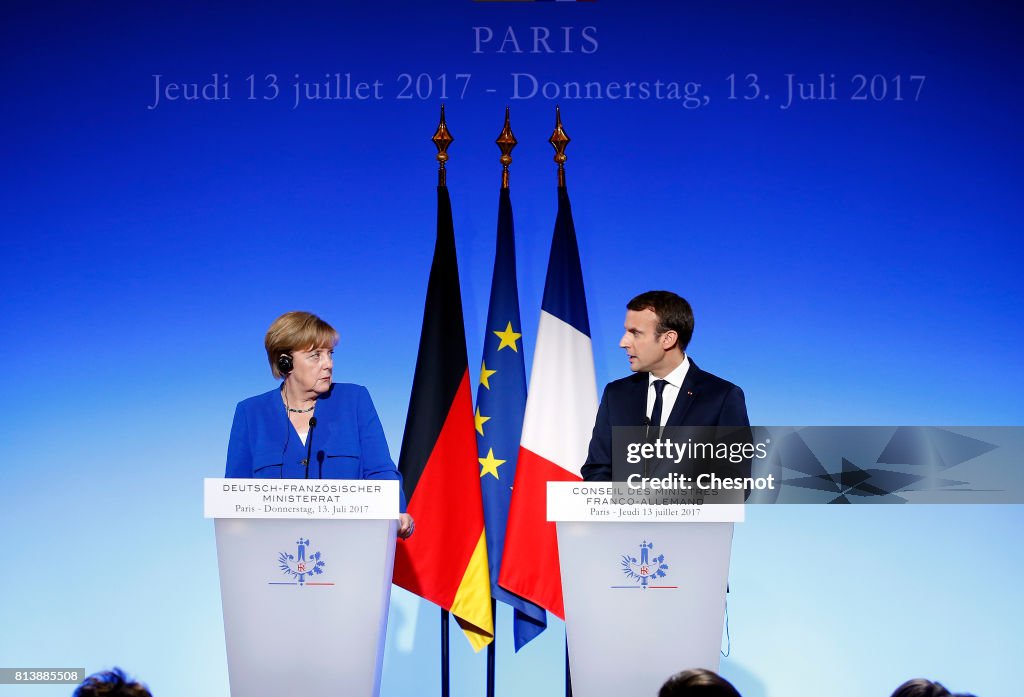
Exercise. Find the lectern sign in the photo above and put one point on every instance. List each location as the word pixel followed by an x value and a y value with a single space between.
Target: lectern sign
pixel 337 499
pixel 609 502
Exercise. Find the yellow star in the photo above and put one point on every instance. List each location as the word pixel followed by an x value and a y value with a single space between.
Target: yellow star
pixel 480 421
pixel 508 338
pixel 485 374
pixel 490 464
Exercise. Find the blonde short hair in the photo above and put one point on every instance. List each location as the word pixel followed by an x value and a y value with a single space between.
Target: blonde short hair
pixel 296 331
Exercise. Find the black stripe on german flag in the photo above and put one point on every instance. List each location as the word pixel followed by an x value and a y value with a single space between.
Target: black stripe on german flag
pixel 441 362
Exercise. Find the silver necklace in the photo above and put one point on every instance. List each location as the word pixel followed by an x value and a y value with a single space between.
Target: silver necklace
pixel 295 411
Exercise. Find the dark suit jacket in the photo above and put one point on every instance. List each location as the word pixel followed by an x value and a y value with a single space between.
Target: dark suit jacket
pixel 703 400
pixel 348 440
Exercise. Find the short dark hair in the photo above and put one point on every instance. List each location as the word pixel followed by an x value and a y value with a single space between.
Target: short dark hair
pixel 919 687
pixel 111 683
pixel 674 313
pixel 697 682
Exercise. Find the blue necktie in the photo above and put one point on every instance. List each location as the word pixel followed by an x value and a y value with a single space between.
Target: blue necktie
pixel 659 387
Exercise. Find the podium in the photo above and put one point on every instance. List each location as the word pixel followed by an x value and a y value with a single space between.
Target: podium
pixel 644 585
pixel 305 579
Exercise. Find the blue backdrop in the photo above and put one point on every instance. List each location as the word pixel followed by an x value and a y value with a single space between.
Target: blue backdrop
pixel 851 260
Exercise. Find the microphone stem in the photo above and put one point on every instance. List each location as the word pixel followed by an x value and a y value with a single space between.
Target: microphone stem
pixel 309 443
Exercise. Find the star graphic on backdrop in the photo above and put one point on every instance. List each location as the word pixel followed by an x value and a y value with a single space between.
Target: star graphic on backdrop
pixel 480 421
pixel 485 374
pixel 508 338
pixel 490 464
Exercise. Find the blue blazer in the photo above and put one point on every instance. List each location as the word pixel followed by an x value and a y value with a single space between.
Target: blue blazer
pixel 347 442
pixel 704 400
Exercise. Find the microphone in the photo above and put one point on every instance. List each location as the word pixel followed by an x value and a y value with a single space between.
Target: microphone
pixel 309 444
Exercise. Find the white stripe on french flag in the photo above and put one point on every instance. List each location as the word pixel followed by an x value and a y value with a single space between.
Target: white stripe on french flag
pixel 562 401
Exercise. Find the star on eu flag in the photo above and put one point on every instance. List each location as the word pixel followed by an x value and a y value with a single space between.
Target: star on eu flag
pixel 480 421
pixel 508 338
pixel 490 464
pixel 485 374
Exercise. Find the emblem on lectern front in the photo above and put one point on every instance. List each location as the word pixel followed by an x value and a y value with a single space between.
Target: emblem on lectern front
pixel 301 564
pixel 646 567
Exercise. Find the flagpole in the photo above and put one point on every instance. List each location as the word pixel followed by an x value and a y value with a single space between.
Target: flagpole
pixel 442 139
pixel 559 140
pixel 446 689
pixel 568 676
pixel 491 649
pixel 505 141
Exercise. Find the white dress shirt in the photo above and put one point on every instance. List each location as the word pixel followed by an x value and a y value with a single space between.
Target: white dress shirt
pixel 669 392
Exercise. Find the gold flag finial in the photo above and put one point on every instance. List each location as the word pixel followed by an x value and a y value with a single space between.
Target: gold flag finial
pixel 559 139
pixel 442 139
pixel 506 141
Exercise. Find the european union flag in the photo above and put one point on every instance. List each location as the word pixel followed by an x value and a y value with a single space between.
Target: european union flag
pixel 500 403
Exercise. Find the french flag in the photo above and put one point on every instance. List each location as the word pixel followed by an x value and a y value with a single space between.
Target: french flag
pixel 560 411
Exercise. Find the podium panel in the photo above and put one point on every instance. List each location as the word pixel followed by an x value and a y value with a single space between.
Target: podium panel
pixel 321 635
pixel 643 600
pixel 305 600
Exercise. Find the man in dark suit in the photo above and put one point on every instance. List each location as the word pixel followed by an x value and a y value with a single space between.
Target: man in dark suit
pixel 666 389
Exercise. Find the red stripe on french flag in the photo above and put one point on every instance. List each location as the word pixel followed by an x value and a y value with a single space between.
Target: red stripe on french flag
pixel 530 569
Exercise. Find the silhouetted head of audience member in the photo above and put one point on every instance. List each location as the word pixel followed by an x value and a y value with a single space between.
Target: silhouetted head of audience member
pixel 697 683
pixel 111 683
pixel 919 687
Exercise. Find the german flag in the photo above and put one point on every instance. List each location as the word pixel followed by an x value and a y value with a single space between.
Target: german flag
pixel 445 561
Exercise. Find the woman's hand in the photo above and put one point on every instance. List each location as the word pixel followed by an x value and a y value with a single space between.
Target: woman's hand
pixel 406 525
